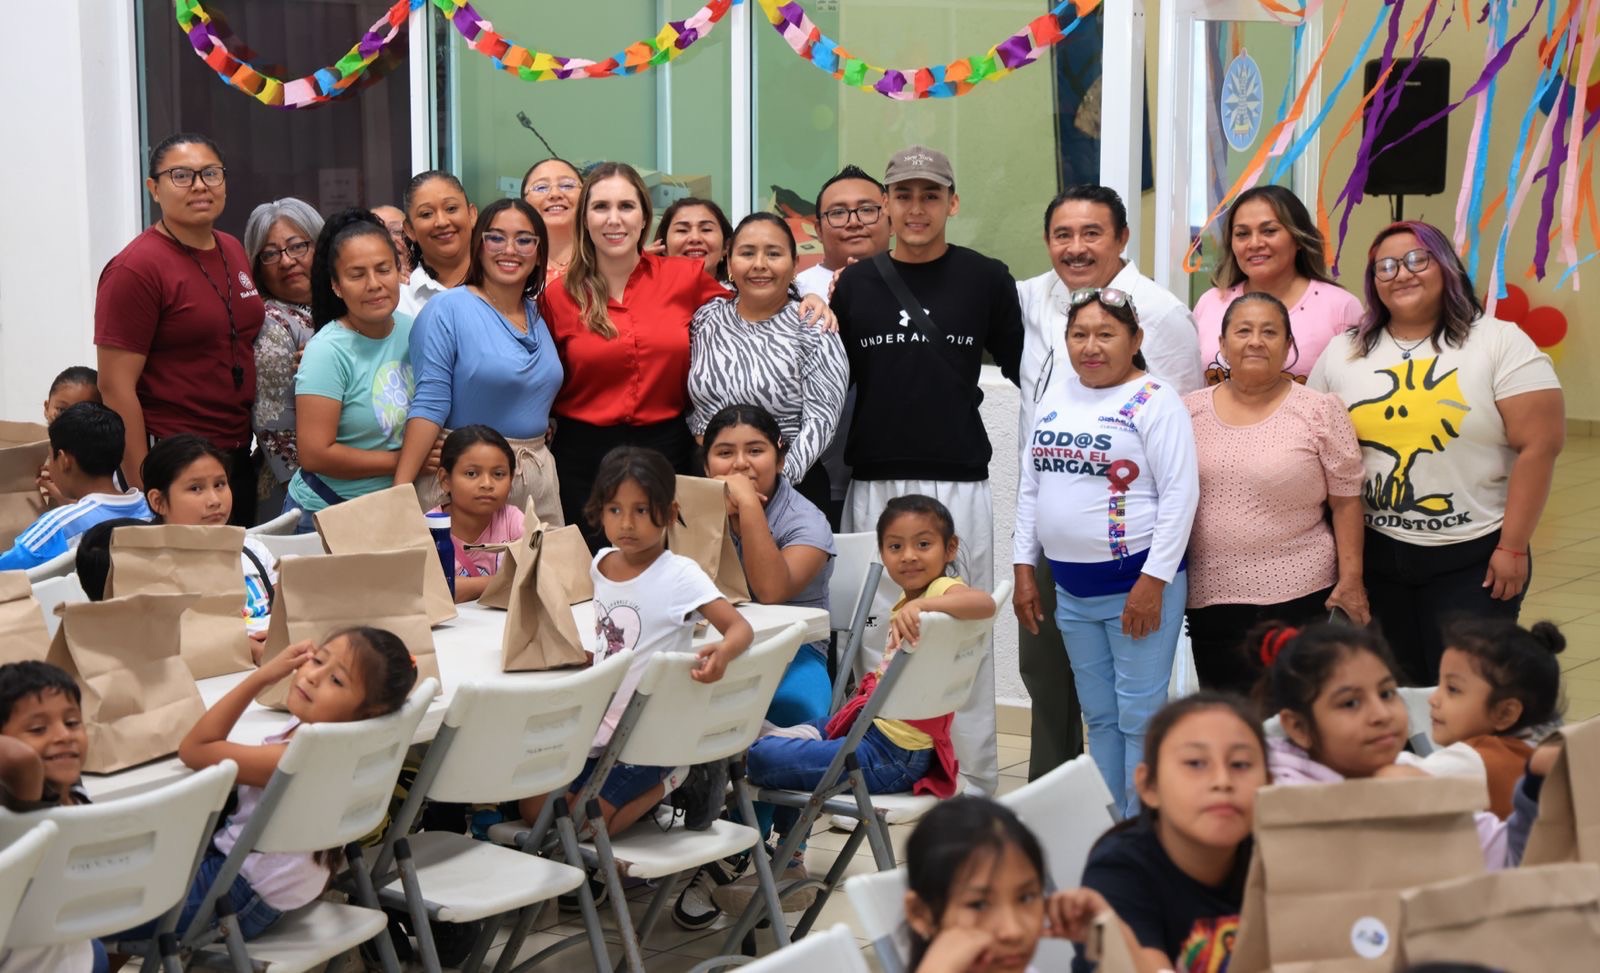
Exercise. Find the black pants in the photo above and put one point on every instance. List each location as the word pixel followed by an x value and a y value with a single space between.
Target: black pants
pixel 578 448
pixel 242 481
pixel 814 486
pixel 1218 632
pixel 1414 590
pixel 1056 719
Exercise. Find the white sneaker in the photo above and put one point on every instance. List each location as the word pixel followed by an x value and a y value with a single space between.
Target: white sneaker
pixel 735 897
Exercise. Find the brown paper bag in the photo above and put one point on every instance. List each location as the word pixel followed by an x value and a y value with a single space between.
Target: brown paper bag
pixel 701 535
pixel 139 698
pixel 1106 948
pixel 1544 918
pixel 1568 826
pixel 388 520
pixel 24 448
pixel 23 636
pixel 202 561
pixel 317 596
pixel 1331 860
pixel 541 577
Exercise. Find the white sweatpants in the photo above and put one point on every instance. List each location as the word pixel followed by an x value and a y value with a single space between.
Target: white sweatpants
pixel 970 503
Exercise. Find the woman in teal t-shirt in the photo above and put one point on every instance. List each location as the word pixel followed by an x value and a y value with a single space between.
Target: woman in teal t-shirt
pixel 354 385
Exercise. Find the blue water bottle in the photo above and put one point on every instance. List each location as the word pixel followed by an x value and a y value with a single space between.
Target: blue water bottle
pixel 439 527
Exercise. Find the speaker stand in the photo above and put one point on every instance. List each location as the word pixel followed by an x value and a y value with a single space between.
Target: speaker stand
pixel 1397 208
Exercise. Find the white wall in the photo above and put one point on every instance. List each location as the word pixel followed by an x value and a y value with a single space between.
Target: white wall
pixel 1000 404
pixel 72 199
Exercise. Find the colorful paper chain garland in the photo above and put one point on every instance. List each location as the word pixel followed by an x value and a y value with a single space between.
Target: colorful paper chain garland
pixel 672 40
pixel 938 81
pixel 324 85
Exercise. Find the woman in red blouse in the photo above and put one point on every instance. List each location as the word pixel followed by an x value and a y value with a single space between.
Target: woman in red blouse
pixel 620 319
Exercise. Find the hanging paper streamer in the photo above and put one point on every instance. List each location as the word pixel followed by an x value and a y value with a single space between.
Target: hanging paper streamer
pixel 209 37
pixel 669 42
pixel 937 81
pixel 1469 203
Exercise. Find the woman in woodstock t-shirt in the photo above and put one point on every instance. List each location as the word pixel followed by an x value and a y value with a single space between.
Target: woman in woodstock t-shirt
pixel 1460 419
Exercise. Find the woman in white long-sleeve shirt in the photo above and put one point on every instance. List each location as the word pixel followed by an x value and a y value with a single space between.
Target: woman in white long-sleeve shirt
pixel 1108 490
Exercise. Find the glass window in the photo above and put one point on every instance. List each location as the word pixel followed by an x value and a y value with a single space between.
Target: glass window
pixel 351 152
pixel 1013 141
pixel 672 122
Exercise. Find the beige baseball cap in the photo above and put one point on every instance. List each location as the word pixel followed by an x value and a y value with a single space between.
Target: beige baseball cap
pixel 920 162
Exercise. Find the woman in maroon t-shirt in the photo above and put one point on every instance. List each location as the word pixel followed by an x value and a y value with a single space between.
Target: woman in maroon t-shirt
pixel 176 318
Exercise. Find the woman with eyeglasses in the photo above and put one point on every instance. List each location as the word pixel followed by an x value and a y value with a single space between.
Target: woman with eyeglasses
pixel 1107 491
pixel 176 317
pixel 1460 418
pixel 1272 245
pixel 483 356
pixel 551 187
pixel 278 238
pixel 1275 459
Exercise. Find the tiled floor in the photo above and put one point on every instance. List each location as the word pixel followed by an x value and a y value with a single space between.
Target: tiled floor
pixel 1565 590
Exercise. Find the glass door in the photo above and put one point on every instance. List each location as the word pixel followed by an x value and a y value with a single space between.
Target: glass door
pixel 1227 65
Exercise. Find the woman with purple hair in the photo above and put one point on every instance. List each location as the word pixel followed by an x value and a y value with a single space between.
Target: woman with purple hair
pixel 1460 418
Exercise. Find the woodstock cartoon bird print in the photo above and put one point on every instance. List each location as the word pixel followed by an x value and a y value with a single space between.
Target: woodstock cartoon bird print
pixel 1419 415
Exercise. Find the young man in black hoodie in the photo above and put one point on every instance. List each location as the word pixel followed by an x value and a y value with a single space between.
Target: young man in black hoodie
pixel 915 359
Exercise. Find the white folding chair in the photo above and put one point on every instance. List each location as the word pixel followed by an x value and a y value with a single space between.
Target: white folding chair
pixel 62 564
pixel 499 742
pixel 833 950
pixel 880 904
pixel 927 681
pixel 117 865
pixel 1419 715
pixel 292 545
pixel 19 863
pixel 332 787
pixel 856 573
pixel 1068 810
pixel 50 592
pixel 673 721
pixel 282 524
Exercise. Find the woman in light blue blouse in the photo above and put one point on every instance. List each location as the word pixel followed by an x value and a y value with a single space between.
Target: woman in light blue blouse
pixel 483 355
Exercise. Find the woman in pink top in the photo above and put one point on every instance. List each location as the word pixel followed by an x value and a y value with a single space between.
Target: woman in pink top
pixel 1274 458
pixel 1273 246
pixel 476 467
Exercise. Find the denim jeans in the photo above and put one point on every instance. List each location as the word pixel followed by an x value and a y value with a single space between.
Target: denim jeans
pixel 798 765
pixel 1121 681
pixel 804 693
pixel 254 915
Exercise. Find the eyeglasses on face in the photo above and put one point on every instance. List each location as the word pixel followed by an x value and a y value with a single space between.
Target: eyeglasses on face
pixel 1388 268
pixel 839 216
pixel 1109 296
pixel 183 177
pixel 496 242
pixel 293 251
pixel 543 188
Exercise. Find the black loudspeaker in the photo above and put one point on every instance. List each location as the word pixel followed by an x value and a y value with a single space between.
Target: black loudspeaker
pixel 1416 167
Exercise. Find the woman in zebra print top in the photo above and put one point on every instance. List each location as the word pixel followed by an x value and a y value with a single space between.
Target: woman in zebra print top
pixel 756 349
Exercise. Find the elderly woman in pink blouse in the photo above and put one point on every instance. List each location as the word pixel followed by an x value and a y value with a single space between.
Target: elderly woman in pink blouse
pixel 1275 456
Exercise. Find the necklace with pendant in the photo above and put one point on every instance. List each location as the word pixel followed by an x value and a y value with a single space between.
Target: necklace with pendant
pixel 1405 352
